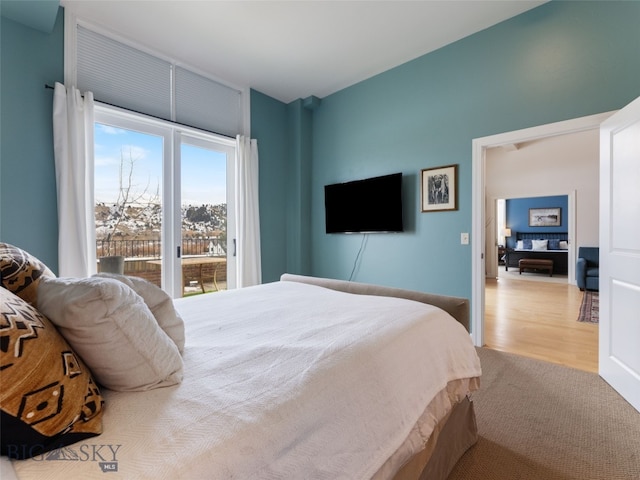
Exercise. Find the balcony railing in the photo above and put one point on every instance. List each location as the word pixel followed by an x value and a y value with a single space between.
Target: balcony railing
pixel 153 248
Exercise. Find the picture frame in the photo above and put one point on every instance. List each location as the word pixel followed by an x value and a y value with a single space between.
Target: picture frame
pixel 545 217
pixel 439 188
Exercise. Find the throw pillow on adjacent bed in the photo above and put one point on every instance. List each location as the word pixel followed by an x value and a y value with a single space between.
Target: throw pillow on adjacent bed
pixel 539 244
pixel 48 398
pixel 114 332
pixel 160 304
pixel 554 244
pixel 21 272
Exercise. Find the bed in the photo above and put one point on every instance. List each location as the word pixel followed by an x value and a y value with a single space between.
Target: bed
pixel 301 378
pixel 553 247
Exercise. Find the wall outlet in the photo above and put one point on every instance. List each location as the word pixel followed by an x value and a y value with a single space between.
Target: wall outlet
pixel 464 239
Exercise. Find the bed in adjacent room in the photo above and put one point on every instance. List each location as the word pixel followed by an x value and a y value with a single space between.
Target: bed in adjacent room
pixel 301 378
pixel 539 245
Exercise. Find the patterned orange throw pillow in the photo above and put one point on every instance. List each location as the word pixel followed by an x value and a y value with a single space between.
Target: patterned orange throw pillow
pixel 48 398
pixel 20 272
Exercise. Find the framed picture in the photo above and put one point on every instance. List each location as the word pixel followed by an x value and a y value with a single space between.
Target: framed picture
pixel 439 188
pixel 544 217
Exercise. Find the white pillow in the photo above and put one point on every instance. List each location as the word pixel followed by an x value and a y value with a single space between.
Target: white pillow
pixel 564 245
pixel 539 244
pixel 160 304
pixel 520 245
pixel 113 330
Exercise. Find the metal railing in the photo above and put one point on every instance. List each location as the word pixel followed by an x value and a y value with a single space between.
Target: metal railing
pixel 153 248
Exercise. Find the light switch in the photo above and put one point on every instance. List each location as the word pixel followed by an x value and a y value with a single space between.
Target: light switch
pixel 464 239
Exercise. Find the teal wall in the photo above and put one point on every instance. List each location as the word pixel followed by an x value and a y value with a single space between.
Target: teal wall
pixel 298 241
pixel 30 59
pixel 560 61
pixel 284 134
pixel 269 119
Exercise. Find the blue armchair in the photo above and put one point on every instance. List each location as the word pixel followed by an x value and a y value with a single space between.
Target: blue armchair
pixel 587 268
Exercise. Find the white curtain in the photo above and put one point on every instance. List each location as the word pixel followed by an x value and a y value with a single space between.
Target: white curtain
pixel 249 270
pixel 73 149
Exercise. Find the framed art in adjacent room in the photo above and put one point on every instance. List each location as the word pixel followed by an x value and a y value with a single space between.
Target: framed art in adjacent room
pixel 439 188
pixel 545 217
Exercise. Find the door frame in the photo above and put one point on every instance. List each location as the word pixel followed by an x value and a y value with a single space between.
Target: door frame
pixel 478 164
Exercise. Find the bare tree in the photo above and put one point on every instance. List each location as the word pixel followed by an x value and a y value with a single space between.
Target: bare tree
pixel 130 196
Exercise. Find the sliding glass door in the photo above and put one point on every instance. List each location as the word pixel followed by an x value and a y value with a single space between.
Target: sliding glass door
pixel 207 249
pixel 164 203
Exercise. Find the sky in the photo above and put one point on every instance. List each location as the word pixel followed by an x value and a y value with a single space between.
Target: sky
pixel 203 171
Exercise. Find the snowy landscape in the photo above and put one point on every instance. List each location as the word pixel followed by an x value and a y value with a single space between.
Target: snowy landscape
pixel 139 225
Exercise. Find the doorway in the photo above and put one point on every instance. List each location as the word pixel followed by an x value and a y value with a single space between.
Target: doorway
pixel 508 220
pixel 480 194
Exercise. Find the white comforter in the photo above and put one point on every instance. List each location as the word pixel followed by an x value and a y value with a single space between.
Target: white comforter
pixel 282 381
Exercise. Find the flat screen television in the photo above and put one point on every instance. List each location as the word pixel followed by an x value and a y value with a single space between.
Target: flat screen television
pixel 364 206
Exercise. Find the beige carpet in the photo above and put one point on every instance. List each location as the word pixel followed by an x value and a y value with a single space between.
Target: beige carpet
pixel 541 421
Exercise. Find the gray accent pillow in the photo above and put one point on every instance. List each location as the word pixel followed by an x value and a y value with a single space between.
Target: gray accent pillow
pixel 111 328
pixel 160 304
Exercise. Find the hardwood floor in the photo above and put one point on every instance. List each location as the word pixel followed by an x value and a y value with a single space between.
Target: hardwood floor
pixel 538 320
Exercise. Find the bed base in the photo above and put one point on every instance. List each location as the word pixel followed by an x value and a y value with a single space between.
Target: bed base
pixel 451 438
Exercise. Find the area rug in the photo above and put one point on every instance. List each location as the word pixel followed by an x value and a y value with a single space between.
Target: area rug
pixel 590 308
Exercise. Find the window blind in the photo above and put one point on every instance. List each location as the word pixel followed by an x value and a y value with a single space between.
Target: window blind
pixel 122 75
pixel 207 104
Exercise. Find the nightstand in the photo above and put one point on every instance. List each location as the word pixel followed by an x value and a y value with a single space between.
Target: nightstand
pixel 501 253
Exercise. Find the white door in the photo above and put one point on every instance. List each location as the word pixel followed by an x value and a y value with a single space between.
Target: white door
pixel 619 350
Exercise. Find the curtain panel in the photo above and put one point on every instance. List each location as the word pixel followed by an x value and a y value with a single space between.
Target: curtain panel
pixel 73 118
pixel 249 270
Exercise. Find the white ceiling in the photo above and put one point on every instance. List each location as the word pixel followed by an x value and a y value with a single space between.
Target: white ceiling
pixel 294 49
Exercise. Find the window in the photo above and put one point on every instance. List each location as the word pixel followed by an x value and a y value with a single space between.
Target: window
pixel 164 202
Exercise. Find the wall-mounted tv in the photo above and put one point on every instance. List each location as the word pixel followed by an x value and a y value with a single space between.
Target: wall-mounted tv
pixel 364 206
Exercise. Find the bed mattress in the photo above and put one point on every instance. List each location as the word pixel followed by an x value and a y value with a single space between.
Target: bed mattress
pixel 284 381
